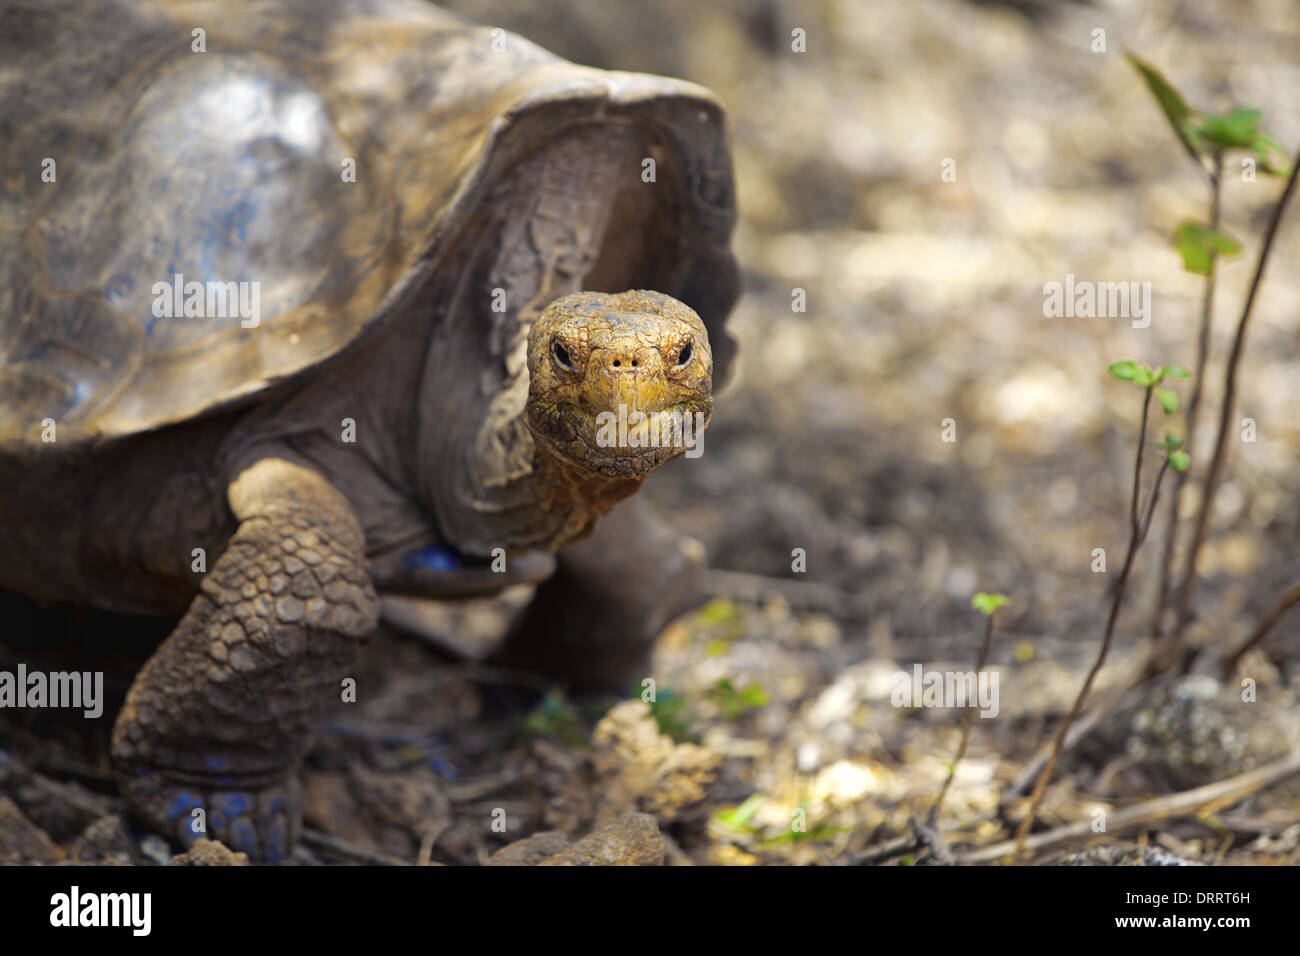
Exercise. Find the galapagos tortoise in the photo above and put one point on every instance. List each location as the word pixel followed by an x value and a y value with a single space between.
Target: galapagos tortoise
pixel 322 300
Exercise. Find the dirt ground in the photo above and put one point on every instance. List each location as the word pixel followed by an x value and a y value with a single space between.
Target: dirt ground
pixel 924 303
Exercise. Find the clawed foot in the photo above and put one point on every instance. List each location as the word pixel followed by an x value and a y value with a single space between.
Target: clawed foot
pixel 264 823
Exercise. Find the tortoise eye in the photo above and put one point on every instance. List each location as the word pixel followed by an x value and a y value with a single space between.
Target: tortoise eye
pixel 685 355
pixel 561 356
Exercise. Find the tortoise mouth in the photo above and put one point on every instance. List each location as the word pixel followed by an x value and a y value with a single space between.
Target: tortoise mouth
pixel 624 442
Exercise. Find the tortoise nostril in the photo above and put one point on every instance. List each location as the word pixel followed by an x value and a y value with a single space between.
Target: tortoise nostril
pixel 622 361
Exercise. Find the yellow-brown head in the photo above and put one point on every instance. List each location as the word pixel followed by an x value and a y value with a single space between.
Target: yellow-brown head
pixel 618 383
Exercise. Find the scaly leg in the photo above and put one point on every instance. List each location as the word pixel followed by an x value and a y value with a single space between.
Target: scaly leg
pixel 222 714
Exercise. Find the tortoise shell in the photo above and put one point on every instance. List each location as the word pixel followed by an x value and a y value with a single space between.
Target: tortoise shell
pixel 324 153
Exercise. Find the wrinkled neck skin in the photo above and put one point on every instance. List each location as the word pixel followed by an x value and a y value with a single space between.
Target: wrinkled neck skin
pixel 583 496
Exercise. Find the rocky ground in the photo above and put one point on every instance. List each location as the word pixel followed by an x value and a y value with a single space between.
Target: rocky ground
pixel 924 303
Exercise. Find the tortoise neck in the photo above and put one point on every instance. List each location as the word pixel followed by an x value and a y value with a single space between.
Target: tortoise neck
pixel 578 494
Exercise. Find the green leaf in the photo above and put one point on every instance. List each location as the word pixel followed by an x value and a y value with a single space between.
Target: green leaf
pixel 1240 130
pixel 986 604
pixel 735 702
pixel 1167 399
pixel 1179 460
pixel 1171 104
pixel 1195 244
pixel 1174 371
pixel 1264 147
pixel 1237 129
pixel 1170 443
pixel 1124 371
pixel 1145 377
pixel 738 819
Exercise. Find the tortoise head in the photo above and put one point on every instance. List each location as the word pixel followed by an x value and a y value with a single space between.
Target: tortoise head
pixel 618 384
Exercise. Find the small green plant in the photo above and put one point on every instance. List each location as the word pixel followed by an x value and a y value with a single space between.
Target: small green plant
pixel 1146 378
pixel 735 702
pixel 1208 139
pixel 1206 136
pixel 987 604
pixel 1143 375
pixel 814 834
pixel 738 818
pixel 1140 515
pixel 556 717
pixel 671 713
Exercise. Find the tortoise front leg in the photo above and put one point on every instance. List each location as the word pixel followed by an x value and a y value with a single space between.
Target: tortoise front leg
pixel 223 713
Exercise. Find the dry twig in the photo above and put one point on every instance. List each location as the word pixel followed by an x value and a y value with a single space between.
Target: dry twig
pixel 1221 793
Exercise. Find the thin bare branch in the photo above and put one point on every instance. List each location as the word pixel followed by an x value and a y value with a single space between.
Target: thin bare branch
pixel 1136 535
pixel 1187 587
pixel 1137 464
pixel 1193 407
pixel 1288 600
pixel 966 721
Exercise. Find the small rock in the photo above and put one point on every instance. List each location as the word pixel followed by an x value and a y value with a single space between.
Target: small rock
pixel 531 850
pixel 106 841
pixel 641 769
pixel 156 849
pixel 843 784
pixel 1195 729
pixel 631 840
pixel 207 852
